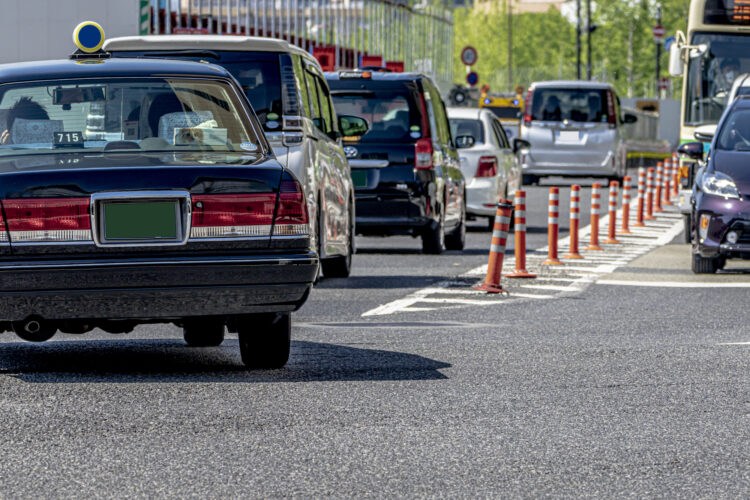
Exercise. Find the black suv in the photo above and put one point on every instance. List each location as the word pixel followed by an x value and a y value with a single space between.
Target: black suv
pixel 405 167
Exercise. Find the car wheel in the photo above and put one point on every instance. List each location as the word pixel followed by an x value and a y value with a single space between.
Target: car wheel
pixel 318 248
pixel 433 237
pixel 704 265
pixel 491 223
pixel 203 333
pixel 457 239
pixel 34 330
pixel 529 180
pixel 687 234
pixel 265 340
pixel 341 265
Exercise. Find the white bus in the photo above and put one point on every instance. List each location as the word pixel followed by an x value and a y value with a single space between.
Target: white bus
pixel 715 50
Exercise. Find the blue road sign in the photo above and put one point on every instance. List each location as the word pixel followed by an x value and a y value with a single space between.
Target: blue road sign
pixel 668 42
pixel 472 78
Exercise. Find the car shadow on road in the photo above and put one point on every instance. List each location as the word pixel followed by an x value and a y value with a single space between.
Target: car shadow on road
pixel 378 282
pixel 171 361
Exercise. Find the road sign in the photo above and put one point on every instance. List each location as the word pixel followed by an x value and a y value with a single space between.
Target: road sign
pixel 668 42
pixel 664 83
pixel 658 32
pixel 472 78
pixel 469 55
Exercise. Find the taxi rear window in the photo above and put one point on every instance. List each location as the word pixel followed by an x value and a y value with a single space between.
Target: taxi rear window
pixel 115 115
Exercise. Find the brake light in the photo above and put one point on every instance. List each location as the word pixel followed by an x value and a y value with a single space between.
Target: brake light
pixel 487 167
pixel 611 115
pixel 48 219
pixel 291 219
pixel 527 106
pixel 423 154
pixel 232 215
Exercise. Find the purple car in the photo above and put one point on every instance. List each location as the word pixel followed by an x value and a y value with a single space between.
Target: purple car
pixel 721 194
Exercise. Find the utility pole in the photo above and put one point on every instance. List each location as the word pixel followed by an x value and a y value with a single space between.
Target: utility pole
pixel 588 39
pixel 658 51
pixel 578 39
pixel 510 44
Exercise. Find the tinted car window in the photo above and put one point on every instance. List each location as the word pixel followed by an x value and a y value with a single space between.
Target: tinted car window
pixel 314 110
pixel 735 133
pixel 501 137
pixel 578 105
pixel 474 128
pixel 326 110
pixel 390 114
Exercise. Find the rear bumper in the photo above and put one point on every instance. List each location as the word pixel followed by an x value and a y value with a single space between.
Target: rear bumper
pixel 571 164
pixel 159 289
pixel 391 213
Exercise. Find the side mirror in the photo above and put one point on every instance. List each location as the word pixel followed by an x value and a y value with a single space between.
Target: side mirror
pixel 465 141
pixel 629 118
pixel 335 135
pixel 676 65
pixel 692 150
pixel 519 144
pixel 353 126
pixel 705 133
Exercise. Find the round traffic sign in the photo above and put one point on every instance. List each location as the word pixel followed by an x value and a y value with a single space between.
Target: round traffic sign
pixel 658 32
pixel 469 55
pixel 664 83
pixel 472 78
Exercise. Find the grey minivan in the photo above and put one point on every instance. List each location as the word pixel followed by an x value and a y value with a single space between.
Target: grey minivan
pixel 574 129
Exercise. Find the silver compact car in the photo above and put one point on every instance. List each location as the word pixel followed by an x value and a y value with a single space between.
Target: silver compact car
pixel 289 95
pixel 488 159
pixel 574 128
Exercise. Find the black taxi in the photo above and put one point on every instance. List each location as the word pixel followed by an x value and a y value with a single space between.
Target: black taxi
pixel 144 191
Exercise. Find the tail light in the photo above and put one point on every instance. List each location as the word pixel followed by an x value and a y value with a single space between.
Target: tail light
pixel 291 218
pixel 251 215
pixel 48 220
pixel 611 114
pixel 423 154
pixel 487 167
pixel 527 106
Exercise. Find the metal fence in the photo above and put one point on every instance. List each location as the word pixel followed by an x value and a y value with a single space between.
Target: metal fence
pixel 348 32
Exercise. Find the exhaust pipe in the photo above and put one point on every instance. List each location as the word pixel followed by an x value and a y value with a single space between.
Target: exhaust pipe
pixel 34 329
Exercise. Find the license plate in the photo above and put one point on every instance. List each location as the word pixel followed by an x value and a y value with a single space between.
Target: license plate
pixel 359 178
pixel 142 220
pixel 568 137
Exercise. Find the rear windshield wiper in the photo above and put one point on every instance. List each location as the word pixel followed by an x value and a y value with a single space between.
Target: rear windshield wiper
pixel 188 53
pixel 368 93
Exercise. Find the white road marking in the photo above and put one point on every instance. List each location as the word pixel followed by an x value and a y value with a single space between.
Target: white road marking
pixel 734 343
pixel 672 284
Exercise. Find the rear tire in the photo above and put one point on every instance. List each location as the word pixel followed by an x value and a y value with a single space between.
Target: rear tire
pixel 341 266
pixel 433 237
pixel 203 333
pixel 529 180
pixel 265 340
pixel 703 265
pixel 687 235
pixel 456 240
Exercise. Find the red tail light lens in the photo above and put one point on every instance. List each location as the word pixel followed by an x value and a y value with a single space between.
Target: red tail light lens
pixel 423 154
pixel 487 167
pixel 291 219
pixel 611 114
pixel 48 219
pixel 232 215
pixel 527 117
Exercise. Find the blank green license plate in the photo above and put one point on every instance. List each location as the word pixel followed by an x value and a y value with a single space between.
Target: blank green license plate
pixel 143 220
pixel 359 178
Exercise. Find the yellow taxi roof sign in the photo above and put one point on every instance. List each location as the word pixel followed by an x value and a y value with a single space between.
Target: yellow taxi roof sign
pixel 88 36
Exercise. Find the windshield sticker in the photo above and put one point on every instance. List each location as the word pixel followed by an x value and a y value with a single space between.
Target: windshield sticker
pixel 415 135
pixel 414 128
pixel 248 146
pixel 272 116
pixel 272 124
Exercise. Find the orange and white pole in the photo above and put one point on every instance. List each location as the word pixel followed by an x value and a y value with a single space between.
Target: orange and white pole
pixel 575 222
pixel 520 229
pixel 626 205
pixel 553 227
pixel 497 248
pixel 613 189
pixel 595 206
pixel 641 197
pixel 650 194
pixel 667 181
pixel 675 175
pixel 659 186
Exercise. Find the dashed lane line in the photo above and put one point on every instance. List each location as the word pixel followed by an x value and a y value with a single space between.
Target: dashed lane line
pixel 551 280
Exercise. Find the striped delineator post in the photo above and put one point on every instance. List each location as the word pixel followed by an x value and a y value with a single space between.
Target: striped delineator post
pixel 626 205
pixel 650 194
pixel 575 222
pixel 614 187
pixel 520 230
pixel 659 185
pixel 596 190
pixel 553 227
pixel 675 175
pixel 667 181
pixel 497 248
pixel 641 197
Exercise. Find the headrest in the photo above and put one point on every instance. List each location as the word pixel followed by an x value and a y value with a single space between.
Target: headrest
pixel 35 131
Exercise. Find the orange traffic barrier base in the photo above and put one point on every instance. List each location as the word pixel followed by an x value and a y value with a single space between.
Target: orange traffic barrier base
pixel 497 249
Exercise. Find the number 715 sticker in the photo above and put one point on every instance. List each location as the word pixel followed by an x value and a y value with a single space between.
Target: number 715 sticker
pixel 63 139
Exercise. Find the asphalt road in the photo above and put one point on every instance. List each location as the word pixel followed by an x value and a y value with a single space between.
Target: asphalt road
pixel 597 391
